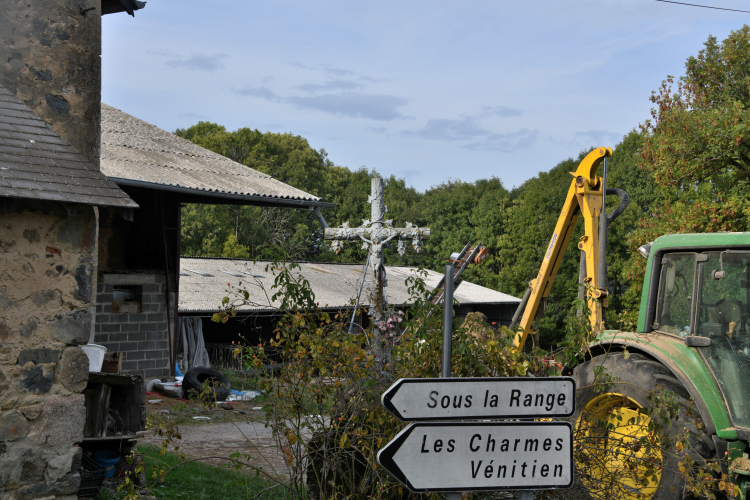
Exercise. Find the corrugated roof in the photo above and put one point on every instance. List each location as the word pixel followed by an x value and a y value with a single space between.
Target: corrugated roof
pixel 134 150
pixel 204 282
pixel 36 163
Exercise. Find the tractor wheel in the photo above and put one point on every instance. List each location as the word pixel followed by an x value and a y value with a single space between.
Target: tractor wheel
pixel 619 452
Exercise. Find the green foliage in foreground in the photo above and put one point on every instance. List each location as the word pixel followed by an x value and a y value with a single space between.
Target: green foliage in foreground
pixel 198 480
pixel 324 403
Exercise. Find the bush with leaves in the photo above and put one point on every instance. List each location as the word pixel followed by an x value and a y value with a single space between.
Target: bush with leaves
pixel 324 404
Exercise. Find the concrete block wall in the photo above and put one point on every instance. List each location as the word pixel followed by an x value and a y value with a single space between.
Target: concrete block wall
pixel 142 337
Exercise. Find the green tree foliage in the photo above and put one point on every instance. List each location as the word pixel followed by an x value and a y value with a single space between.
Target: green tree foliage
pixel 685 171
pixel 244 231
pixel 207 229
pixel 286 157
pixel 697 143
pixel 454 211
pixel 695 153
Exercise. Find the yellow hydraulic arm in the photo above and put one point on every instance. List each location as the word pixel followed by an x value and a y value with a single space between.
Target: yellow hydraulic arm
pixel 585 193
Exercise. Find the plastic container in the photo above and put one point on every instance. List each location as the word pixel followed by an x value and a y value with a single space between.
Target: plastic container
pixel 107 459
pixel 96 354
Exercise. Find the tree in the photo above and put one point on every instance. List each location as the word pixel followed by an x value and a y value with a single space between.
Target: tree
pixel 695 155
pixel 697 143
pixel 234 250
pixel 207 229
pixel 286 157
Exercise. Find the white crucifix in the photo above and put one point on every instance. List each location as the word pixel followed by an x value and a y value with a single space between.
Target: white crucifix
pixel 375 234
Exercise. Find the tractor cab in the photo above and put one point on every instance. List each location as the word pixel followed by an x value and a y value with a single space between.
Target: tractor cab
pixel 702 296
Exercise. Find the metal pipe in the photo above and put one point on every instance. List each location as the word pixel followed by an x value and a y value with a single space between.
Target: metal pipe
pixel 359 293
pixel 520 309
pixel 603 226
pixel 447 321
pixel 319 216
pixel 526 495
pixel 624 201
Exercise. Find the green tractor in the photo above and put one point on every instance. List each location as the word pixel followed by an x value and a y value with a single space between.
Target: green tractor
pixel 692 338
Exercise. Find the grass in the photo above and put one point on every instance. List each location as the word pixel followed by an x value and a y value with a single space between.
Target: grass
pixel 196 480
pixel 239 381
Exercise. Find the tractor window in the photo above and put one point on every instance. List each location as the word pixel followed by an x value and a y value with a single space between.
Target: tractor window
pixel 675 294
pixel 722 315
pixel 724 294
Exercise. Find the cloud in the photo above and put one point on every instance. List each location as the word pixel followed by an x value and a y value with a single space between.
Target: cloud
pixel 355 105
pixel 369 79
pixel 450 130
pixel 199 62
pixel 501 111
pixel 380 130
pixel 351 104
pixel 193 117
pixel 330 85
pixel 300 65
pixel 262 92
pixel 467 127
pixel 505 143
pixel 337 71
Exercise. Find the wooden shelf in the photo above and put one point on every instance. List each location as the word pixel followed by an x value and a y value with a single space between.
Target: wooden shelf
pixel 130 435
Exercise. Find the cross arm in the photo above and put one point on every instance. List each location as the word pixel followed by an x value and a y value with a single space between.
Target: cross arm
pixel 402 233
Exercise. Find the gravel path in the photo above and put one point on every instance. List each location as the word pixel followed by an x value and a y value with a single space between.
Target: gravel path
pixel 221 440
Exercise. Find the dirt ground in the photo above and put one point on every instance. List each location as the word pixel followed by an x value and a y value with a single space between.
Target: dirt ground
pixel 242 429
pixel 217 432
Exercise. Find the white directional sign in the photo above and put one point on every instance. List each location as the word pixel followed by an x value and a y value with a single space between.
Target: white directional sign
pixel 466 456
pixel 425 399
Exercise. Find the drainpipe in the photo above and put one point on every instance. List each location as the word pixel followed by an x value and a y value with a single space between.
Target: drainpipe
pixel 320 218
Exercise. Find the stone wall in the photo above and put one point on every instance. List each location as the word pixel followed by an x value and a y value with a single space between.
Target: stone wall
pixel 137 330
pixel 50 57
pixel 47 276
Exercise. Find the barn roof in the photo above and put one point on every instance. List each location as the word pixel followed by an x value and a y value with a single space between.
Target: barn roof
pixel 205 281
pixel 137 153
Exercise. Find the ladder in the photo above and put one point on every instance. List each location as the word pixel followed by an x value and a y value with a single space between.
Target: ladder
pixel 461 260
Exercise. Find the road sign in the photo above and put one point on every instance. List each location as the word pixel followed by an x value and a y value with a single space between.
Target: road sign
pixel 465 456
pixel 425 399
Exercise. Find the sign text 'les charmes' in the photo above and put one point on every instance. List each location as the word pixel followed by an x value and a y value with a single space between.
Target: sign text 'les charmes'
pixel 413 399
pixel 463 456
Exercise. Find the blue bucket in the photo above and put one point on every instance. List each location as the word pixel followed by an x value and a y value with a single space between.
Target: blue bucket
pixel 107 459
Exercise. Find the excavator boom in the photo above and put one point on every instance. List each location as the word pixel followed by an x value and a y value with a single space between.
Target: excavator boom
pixel 585 197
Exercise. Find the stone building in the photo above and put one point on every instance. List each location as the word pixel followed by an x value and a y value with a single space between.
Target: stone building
pixel 51 193
pixel 74 247
pixel 139 259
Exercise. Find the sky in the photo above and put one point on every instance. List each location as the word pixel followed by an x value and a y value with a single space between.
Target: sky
pixel 429 91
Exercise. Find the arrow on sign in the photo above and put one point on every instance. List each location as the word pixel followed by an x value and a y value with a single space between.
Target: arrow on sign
pixel 481 456
pixel 425 399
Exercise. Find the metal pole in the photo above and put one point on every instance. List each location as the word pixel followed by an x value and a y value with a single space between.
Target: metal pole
pixel 359 294
pixel 603 230
pixel 526 495
pixel 447 320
